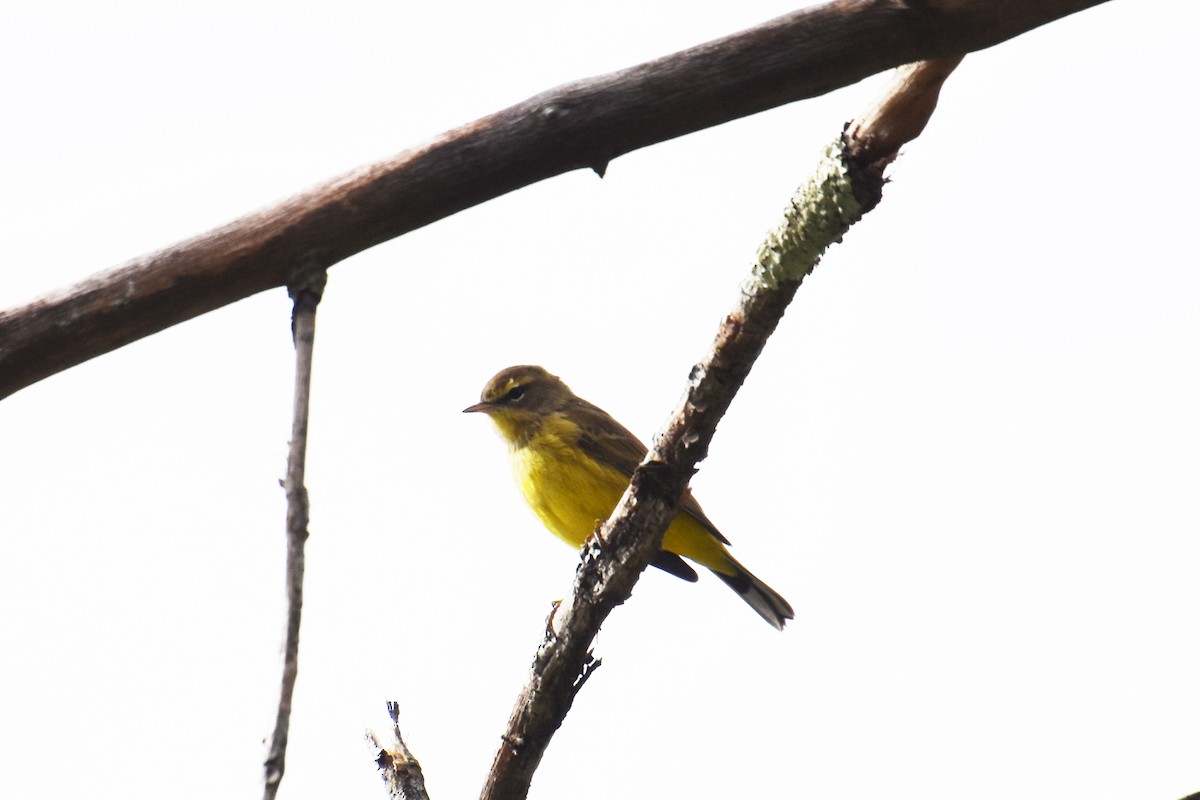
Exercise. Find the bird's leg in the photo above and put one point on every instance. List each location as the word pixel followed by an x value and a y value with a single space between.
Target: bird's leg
pixel 550 620
pixel 596 537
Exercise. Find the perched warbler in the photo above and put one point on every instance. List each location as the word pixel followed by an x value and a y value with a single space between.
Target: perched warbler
pixel 573 462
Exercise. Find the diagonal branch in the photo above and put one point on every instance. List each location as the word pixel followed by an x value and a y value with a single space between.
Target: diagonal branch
pixel 847 184
pixel 583 124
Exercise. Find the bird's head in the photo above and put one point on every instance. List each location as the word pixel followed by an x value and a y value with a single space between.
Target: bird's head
pixel 520 399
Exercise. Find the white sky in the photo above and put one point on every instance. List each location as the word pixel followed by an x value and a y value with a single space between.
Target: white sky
pixel 968 457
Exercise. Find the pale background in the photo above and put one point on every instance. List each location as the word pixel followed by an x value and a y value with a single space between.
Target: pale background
pixel 968 458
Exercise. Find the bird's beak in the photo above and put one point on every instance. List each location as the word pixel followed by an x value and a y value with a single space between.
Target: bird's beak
pixel 480 406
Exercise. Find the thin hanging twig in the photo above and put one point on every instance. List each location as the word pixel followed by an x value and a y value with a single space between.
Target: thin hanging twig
pixel 847 183
pixel 305 292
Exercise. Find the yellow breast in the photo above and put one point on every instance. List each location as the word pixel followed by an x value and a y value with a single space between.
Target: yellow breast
pixel 571 493
pixel 568 491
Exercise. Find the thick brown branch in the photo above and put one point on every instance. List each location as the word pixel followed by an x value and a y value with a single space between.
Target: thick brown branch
pixel 583 124
pixel 306 294
pixel 631 537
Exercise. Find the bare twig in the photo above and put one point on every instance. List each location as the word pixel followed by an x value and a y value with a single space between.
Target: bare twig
pixel 583 124
pixel 401 771
pixel 306 294
pixel 840 192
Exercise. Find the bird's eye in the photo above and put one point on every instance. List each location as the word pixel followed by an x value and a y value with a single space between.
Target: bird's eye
pixel 514 394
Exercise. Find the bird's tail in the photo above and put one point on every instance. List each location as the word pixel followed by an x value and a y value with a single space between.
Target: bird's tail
pixel 769 604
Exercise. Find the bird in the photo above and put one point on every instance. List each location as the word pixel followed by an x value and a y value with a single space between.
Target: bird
pixel 572 462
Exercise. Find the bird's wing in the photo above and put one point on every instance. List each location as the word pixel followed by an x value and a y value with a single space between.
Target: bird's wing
pixel 611 443
pixel 606 440
pixel 689 505
pixel 669 562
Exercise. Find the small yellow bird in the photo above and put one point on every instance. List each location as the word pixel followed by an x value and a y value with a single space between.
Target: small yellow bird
pixel 573 462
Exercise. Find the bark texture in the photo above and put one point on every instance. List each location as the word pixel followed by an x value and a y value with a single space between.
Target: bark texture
pixel 583 124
